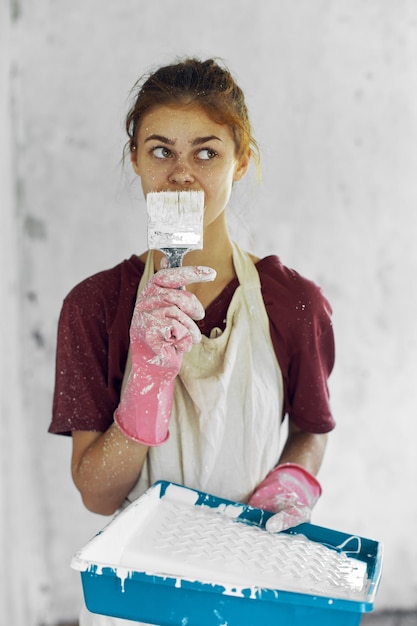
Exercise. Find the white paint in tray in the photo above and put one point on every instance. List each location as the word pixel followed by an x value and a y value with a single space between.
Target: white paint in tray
pixel 172 536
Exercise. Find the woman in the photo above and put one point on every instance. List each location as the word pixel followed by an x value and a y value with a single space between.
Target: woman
pixel 247 342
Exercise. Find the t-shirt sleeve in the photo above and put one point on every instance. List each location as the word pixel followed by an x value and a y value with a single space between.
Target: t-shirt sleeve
pixel 310 367
pixel 84 397
pixel 302 335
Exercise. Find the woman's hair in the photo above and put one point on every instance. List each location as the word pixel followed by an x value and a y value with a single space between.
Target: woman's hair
pixel 195 82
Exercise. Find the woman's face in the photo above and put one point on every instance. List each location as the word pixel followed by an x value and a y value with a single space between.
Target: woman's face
pixel 181 148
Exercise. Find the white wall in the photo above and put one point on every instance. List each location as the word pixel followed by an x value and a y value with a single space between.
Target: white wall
pixel 332 89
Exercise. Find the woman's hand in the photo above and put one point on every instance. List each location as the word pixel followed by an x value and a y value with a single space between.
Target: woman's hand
pixel 291 489
pixel 162 329
pixel 162 326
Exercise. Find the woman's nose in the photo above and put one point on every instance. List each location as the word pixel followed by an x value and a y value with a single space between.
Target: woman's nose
pixel 181 174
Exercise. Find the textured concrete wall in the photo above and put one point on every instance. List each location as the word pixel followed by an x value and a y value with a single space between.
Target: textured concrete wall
pixel 332 88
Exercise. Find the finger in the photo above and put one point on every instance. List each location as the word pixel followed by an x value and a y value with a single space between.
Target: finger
pixel 281 521
pixel 276 523
pixel 168 324
pixel 292 516
pixel 153 298
pixel 181 276
pixel 174 340
pixel 164 263
pixel 180 329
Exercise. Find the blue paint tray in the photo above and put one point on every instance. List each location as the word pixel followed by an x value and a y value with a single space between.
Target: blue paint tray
pixel 177 556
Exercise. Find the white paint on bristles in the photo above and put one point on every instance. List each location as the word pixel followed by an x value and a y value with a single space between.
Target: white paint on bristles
pixel 175 219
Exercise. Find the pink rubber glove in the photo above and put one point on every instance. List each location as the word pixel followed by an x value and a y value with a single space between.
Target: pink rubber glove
pixel 289 491
pixel 162 329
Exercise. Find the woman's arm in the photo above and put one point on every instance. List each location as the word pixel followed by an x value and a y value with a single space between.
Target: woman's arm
pixel 303 448
pixel 105 467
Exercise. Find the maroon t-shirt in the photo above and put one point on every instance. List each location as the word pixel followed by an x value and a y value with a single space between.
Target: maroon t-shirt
pixel 93 341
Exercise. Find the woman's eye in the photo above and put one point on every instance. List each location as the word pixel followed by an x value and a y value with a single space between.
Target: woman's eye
pixel 161 152
pixel 205 154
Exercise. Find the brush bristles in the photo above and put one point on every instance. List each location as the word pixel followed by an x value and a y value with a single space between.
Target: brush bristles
pixel 175 219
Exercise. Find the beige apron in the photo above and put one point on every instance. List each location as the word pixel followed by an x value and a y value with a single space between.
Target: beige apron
pixel 225 423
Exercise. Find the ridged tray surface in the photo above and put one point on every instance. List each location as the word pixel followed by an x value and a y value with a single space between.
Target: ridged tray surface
pixel 207 544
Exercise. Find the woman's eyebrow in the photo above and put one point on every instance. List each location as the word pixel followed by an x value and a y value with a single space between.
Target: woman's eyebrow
pixel 171 142
pixel 161 138
pixel 200 140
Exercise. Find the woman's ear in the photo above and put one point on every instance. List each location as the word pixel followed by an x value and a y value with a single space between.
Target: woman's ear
pixel 134 160
pixel 242 166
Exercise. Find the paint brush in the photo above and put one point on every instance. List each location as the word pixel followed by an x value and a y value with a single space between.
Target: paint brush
pixel 175 223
